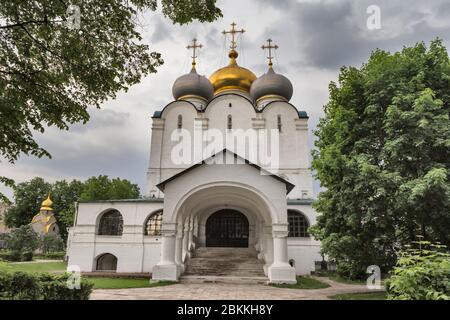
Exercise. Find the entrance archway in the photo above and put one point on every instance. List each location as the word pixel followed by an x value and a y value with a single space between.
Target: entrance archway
pixel 106 262
pixel 227 228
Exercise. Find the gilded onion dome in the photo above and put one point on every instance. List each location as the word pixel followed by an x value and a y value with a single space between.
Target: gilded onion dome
pixel 47 204
pixel 271 85
pixel 232 77
pixel 192 85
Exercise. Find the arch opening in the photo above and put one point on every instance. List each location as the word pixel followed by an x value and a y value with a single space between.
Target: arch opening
pixel 227 228
pixel 106 262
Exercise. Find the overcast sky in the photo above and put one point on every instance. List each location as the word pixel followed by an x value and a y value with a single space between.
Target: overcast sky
pixel 315 38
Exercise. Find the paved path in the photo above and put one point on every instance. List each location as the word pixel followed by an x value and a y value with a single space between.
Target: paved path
pixel 221 291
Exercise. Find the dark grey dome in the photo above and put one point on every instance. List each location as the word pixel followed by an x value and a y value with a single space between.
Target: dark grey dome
pixel 192 84
pixel 271 83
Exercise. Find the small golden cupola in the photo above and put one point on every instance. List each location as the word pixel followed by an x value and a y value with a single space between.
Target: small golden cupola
pixel 47 204
pixel 233 76
pixel 45 222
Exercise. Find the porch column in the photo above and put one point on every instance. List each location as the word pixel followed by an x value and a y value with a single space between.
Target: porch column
pixel 281 271
pixel 260 245
pixel 186 253
pixel 167 269
pixel 268 248
pixel 191 234
pixel 179 249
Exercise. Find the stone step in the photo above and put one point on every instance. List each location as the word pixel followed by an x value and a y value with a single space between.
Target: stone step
pixel 222 262
pixel 224 279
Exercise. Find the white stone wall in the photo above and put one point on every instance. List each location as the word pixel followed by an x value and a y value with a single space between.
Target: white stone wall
pixel 294 154
pixel 134 251
pixel 304 251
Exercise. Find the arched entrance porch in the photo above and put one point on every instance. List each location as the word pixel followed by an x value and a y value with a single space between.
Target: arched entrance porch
pixel 186 226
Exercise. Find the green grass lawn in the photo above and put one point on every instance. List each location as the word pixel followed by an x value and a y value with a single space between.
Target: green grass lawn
pixel 304 282
pixel 124 283
pixel 99 282
pixel 360 296
pixel 35 267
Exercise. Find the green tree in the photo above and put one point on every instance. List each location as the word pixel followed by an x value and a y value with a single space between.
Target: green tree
pixel 382 155
pixel 422 272
pixel 28 197
pixel 103 188
pixel 64 196
pixel 23 241
pixel 51 243
pixel 52 68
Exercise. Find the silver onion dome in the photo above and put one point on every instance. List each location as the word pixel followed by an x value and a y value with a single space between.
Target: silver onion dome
pixel 192 85
pixel 271 84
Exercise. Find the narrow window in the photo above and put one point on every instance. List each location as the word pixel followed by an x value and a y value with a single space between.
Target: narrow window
pixel 180 121
pixel 279 122
pixel 230 122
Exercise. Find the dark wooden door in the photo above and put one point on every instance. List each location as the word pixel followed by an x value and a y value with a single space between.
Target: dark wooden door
pixel 227 228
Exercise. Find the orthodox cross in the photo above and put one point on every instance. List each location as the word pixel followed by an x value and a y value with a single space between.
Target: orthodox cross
pixel 270 47
pixel 233 33
pixel 194 47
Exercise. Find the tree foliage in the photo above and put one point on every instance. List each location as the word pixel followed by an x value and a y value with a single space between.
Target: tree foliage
pixel 382 154
pixel 422 273
pixel 29 195
pixel 23 240
pixel 51 71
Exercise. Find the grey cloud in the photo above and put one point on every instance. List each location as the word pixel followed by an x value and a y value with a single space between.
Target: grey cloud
pixel 334 33
pixel 161 30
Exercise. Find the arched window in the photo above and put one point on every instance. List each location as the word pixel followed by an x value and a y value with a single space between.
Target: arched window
pixel 229 122
pixel 106 262
pixel 279 122
pixel 111 223
pixel 298 224
pixel 180 121
pixel 153 224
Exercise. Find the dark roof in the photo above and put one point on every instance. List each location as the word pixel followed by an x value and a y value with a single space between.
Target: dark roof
pixel 289 186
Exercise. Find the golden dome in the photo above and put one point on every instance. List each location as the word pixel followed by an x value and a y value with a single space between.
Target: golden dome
pixel 47 204
pixel 232 77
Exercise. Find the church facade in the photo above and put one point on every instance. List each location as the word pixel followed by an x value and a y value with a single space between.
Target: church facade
pixel 207 192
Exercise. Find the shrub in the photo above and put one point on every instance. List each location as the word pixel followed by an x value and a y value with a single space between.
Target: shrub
pixel 22 242
pixel 51 243
pixel 16 256
pixel 27 286
pixel 51 255
pixel 421 274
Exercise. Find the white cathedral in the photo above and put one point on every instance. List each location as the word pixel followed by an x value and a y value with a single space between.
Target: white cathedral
pixel 223 214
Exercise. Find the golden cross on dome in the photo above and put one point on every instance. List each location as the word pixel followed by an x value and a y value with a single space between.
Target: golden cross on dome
pixel 233 33
pixel 194 46
pixel 270 47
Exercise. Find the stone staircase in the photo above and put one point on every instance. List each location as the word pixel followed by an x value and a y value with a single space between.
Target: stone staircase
pixel 224 265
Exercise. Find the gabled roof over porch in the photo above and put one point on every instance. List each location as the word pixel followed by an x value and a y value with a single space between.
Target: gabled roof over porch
pixel 227 155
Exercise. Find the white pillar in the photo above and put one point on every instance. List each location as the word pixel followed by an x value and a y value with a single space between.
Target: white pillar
pixel 167 269
pixel 186 253
pixel 191 234
pixel 281 271
pixel 179 249
pixel 268 248
pixel 261 246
